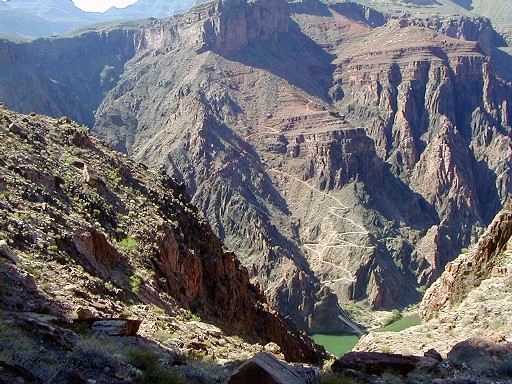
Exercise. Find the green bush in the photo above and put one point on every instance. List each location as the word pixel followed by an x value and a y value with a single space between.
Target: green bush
pixel 135 282
pixel 129 243
pixel 190 316
pixel 114 175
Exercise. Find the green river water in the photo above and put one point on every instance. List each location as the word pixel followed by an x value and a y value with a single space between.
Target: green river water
pixel 339 344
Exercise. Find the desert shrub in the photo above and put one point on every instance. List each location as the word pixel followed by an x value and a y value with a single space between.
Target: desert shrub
pixel 334 378
pixel 143 359
pixel 129 243
pixel 135 282
pixel 391 378
pixel 91 352
pixel 197 354
pixel 160 375
pixel 188 315
pixel 148 362
pixel 16 346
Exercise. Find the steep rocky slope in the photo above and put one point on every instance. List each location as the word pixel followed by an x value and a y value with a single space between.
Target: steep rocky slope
pixel 471 299
pixel 86 231
pixel 346 152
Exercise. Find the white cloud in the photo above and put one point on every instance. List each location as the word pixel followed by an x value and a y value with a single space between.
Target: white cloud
pixel 101 5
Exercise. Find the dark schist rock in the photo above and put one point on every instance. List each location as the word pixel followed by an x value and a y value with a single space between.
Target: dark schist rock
pixel 376 363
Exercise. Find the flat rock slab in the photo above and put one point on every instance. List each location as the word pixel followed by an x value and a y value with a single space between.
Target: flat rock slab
pixel 117 327
pixel 264 368
pixel 375 363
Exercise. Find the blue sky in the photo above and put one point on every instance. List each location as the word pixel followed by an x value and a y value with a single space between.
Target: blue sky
pixel 101 5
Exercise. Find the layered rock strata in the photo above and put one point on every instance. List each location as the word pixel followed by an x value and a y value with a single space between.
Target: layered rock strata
pixel 347 155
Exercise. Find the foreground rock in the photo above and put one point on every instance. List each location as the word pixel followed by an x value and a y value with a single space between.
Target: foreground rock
pixel 128 246
pixel 264 368
pixel 472 298
pixel 472 361
pixel 117 327
pixel 376 363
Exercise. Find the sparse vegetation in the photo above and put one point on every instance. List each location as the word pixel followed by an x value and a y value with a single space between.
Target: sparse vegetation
pixel 148 362
pixel 17 346
pixel 45 287
pixel 129 243
pixel 335 378
pixel 93 353
pixel 114 175
pixel 160 375
pixel 501 259
pixel 188 315
pixel 143 359
pixel 135 282
pixel 197 354
pixel 53 248
pixel 395 316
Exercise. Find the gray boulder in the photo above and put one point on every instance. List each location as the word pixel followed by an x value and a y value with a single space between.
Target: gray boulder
pixel 264 368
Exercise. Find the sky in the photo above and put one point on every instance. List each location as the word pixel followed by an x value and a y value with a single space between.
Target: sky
pixel 101 5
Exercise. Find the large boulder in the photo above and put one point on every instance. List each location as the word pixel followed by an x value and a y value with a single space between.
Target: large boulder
pixel 264 368
pixel 375 363
pixel 117 327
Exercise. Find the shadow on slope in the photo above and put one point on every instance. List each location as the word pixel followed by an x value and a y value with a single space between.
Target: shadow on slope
pixel 294 57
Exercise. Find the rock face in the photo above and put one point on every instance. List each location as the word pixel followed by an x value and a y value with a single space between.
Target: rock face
pixel 117 327
pixel 376 363
pixel 345 154
pixel 468 306
pixel 132 237
pixel 489 257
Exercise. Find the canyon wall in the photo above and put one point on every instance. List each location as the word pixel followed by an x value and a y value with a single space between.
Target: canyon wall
pixel 343 153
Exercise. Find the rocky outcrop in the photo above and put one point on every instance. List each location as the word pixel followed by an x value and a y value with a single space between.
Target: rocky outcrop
pixel 466 311
pixel 97 57
pixel 343 153
pixel 424 131
pixel 462 275
pixel 375 363
pixel 468 362
pixel 229 25
pixel 116 327
pixel 132 237
pixel 95 250
pixel 360 12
